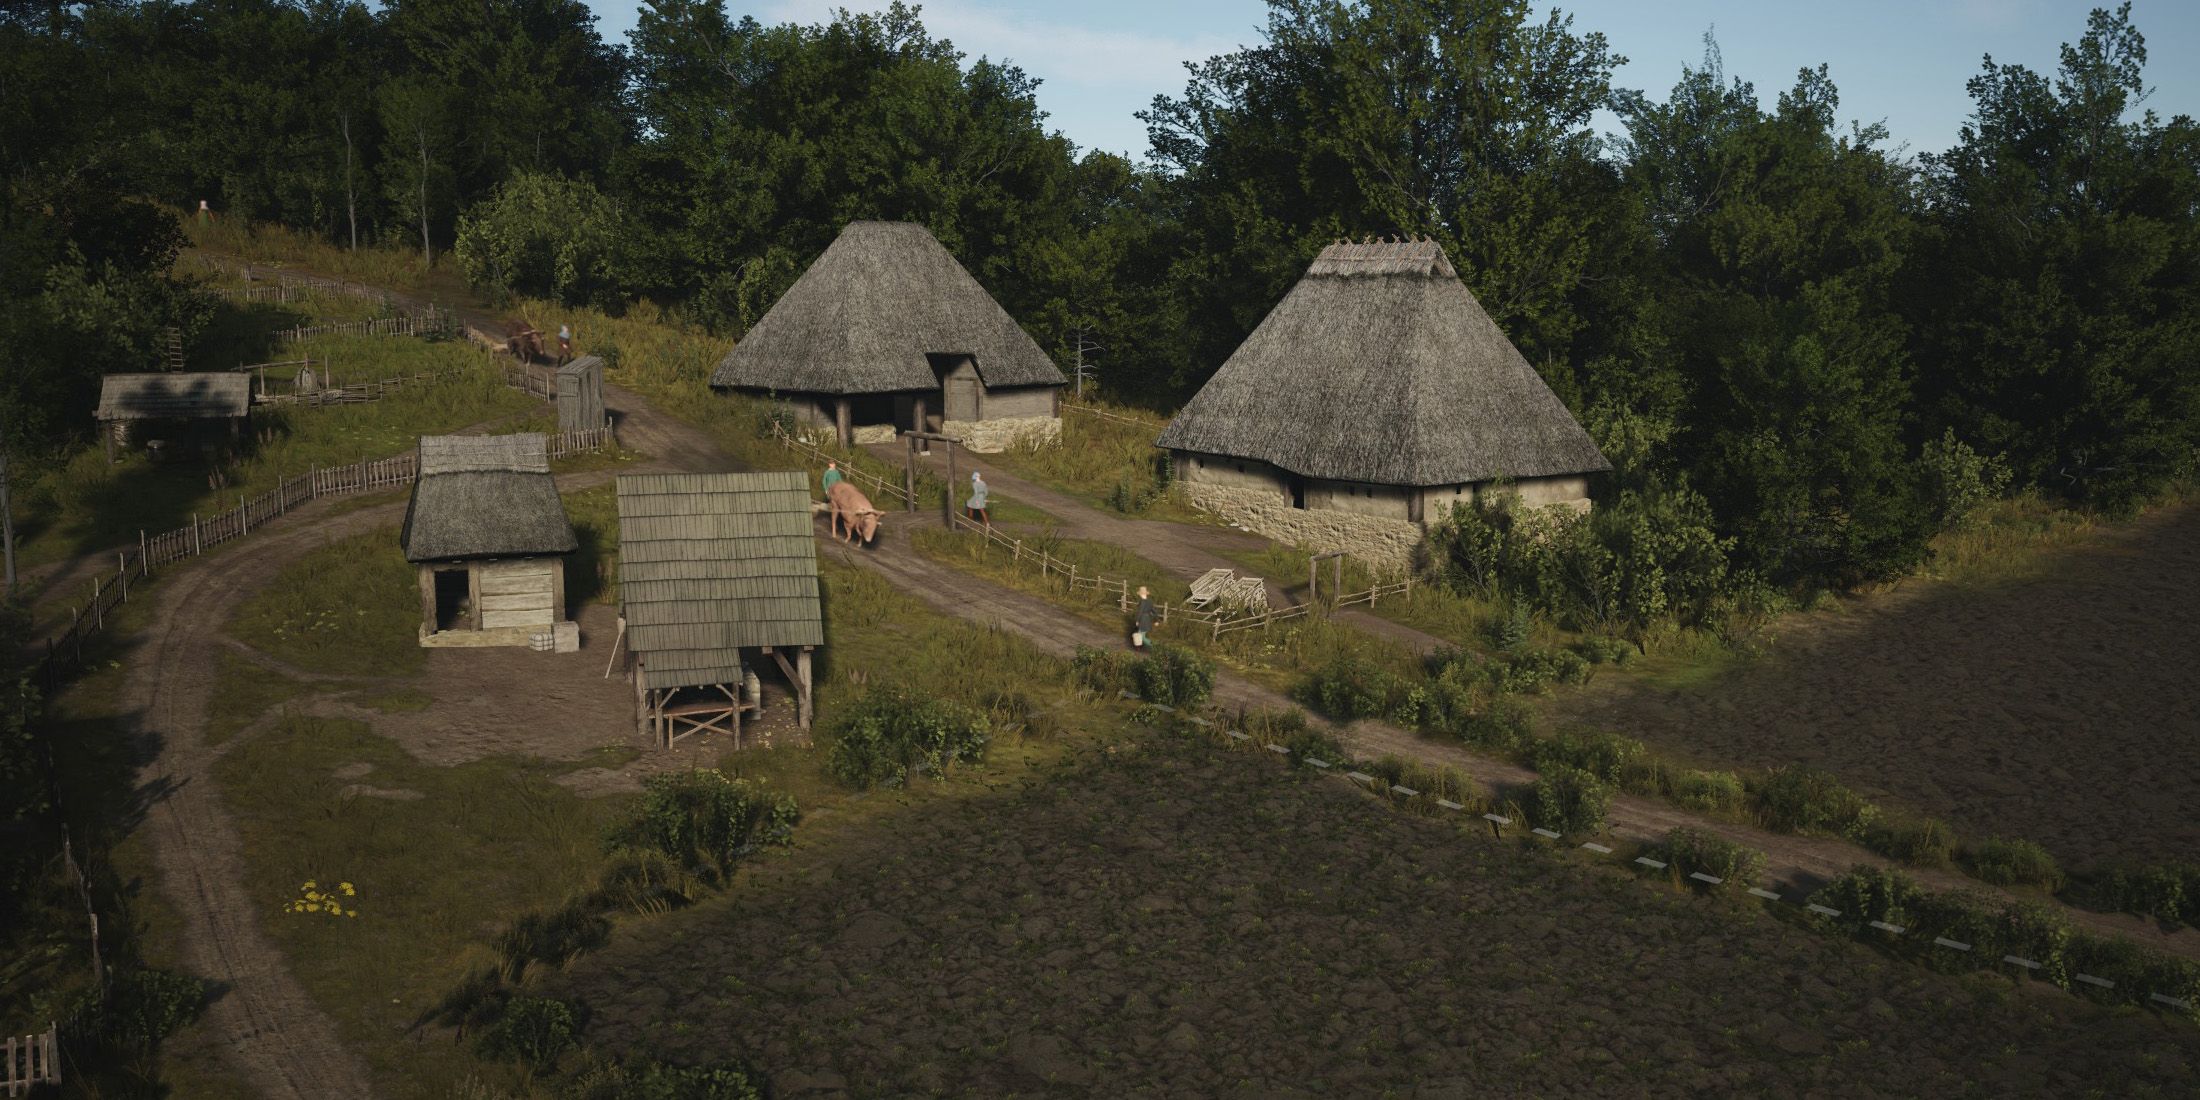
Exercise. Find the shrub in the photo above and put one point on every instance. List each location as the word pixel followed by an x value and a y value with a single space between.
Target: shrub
pixel 647 1079
pixel 1689 850
pixel 2136 970
pixel 1601 650
pixel 886 736
pixel 1542 666
pixel 1712 792
pixel 2038 933
pixel 1174 676
pixel 1503 726
pixel 702 814
pixel 553 937
pixel 1964 916
pixel 1350 685
pixel 141 1008
pixel 477 999
pixel 1920 842
pixel 1604 755
pixel 1569 800
pixel 1865 894
pixel 2168 893
pixel 533 1030
pixel 1102 670
pixel 2015 863
pixel 1797 799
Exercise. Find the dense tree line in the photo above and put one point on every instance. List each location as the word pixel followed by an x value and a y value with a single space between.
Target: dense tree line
pixel 1803 350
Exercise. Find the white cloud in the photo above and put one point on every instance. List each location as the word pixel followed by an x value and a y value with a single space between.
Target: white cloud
pixel 1060 53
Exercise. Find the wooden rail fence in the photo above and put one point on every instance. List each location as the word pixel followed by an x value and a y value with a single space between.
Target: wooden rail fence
pixel 417 322
pixel 875 483
pixel 1088 410
pixel 65 650
pixel 357 393
pixel 30 1061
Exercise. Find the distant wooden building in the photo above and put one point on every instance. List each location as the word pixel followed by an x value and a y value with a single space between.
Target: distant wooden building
pixel 490 536
pixel 713 567
pixel 580 395
pixel 1376 395
pixel 185 403
pixel 885 333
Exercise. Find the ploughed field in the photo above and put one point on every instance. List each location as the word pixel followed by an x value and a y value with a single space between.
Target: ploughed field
pixel 2063 709
pixel 1178 919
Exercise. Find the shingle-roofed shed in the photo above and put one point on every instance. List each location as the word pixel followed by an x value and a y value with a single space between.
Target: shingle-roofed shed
pixel 885 331
pixel 711 565
pixel 171 396
pixel 487 529
pixel 1377 393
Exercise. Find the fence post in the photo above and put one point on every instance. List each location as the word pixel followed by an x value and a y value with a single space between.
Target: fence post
pixel 244 517
pixel 198 542
pixel 145 560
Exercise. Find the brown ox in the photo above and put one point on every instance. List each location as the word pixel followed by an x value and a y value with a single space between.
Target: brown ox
pixel 852 510
pixel 523 342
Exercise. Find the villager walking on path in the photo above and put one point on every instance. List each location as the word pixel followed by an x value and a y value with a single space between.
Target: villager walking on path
pixel 832 477
pixel 1144 628
pixel 565 344
pixel 977 500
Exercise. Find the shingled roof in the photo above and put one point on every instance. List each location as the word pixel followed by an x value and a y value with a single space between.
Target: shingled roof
pixel 484 496
pixel 709 563
pixel 866 314
pixel 174 395
pixel 1380 367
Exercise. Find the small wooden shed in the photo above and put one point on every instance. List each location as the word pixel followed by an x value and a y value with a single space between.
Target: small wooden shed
pixel 711 567
pixel 183 399
pixel 580 395
pixel 490 536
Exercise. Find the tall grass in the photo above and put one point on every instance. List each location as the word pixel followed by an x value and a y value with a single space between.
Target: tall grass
pixel 1109 464
pixel 350 608
pixel 279 245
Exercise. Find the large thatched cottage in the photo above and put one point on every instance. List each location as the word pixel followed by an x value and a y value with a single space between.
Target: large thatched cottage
pixel 886 332
pixel 1374 396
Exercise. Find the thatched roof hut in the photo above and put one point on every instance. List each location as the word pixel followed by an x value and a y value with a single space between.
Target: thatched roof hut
pixel 207 395
pixel 1380 368
pixel 710 565
pixel 485 496
pixel 887 312
pixel 489 534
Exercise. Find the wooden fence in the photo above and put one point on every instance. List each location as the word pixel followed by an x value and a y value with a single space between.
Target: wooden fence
pixel 65 650
pixel 30 1061
pixel 416 322
pixel 1087 410
pixel 864 478
pixel 358 393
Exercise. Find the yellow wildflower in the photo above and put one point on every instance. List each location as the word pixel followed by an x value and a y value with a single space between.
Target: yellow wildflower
pixel 346 888
pixel 308 885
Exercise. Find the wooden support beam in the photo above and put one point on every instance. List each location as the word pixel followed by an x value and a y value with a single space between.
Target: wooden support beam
pixel 844 421
pixel 802 689
pixel 473 592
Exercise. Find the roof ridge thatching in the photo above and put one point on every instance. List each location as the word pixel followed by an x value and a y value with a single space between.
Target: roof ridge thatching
pixel 1399 380
pixel 518 452
pixel 869 310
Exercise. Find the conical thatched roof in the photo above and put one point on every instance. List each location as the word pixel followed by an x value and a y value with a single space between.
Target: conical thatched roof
pixel 1380 367
pixel 484 496
pixel 865 315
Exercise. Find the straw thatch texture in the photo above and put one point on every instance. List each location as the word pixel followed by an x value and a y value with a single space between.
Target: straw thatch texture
pixel 177 396
pixel 710 563
pixel 865 315
pixel 519 452
pixel 1367 374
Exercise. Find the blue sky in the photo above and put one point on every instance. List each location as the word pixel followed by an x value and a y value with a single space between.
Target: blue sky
pixel 1901 61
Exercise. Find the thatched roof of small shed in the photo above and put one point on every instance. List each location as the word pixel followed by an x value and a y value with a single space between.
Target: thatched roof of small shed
pixel 174 395
pixel 484 496
pixel 868 312
pixel 709 563
pixel 1380 367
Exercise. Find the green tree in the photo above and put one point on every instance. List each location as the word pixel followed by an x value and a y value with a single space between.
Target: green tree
pixel 545 236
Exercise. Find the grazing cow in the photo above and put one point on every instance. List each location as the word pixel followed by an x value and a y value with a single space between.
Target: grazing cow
pixel 852 509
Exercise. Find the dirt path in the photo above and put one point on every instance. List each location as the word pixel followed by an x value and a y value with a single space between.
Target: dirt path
pixel 1182 549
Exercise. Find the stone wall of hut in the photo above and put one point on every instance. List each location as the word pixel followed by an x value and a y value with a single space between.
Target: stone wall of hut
pixel 992 436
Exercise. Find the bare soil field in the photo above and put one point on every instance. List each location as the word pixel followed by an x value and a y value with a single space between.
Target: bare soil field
pixel 2063 709
pixel 1166 917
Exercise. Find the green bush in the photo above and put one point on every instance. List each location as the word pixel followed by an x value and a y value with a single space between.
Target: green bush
pixel 1920 842
pixel 1536 667
pixel 643 880
pixel 2136 970
pixel 1965 916
pixel 1689 850
pixel 702 814
pixel 1174 676
pixel 2015 863
pixel 1102 670
pixel 554 937
pixel 1569 801
pixel 1604 755
pixel 2170 894
pixel 1798 799
pixel 1598 649
pixel 1351 685
pixel 887 736
pixel 1711 792
pixel 142 1007
pixel 533 1030
pixel 1509 631
pixel 1865 894
pixel 647 1079
pixel 1503 726
pixel 2038 933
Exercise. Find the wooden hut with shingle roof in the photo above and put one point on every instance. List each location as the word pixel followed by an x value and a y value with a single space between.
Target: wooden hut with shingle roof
pixel 180 400
pixel 711 567
pixel 1380 389
pixel 886 332
pixel 489 534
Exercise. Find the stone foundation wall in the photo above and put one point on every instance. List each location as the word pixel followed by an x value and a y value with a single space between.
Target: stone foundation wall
pixel 995 436
pixel 865 433
pixel 1385 545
